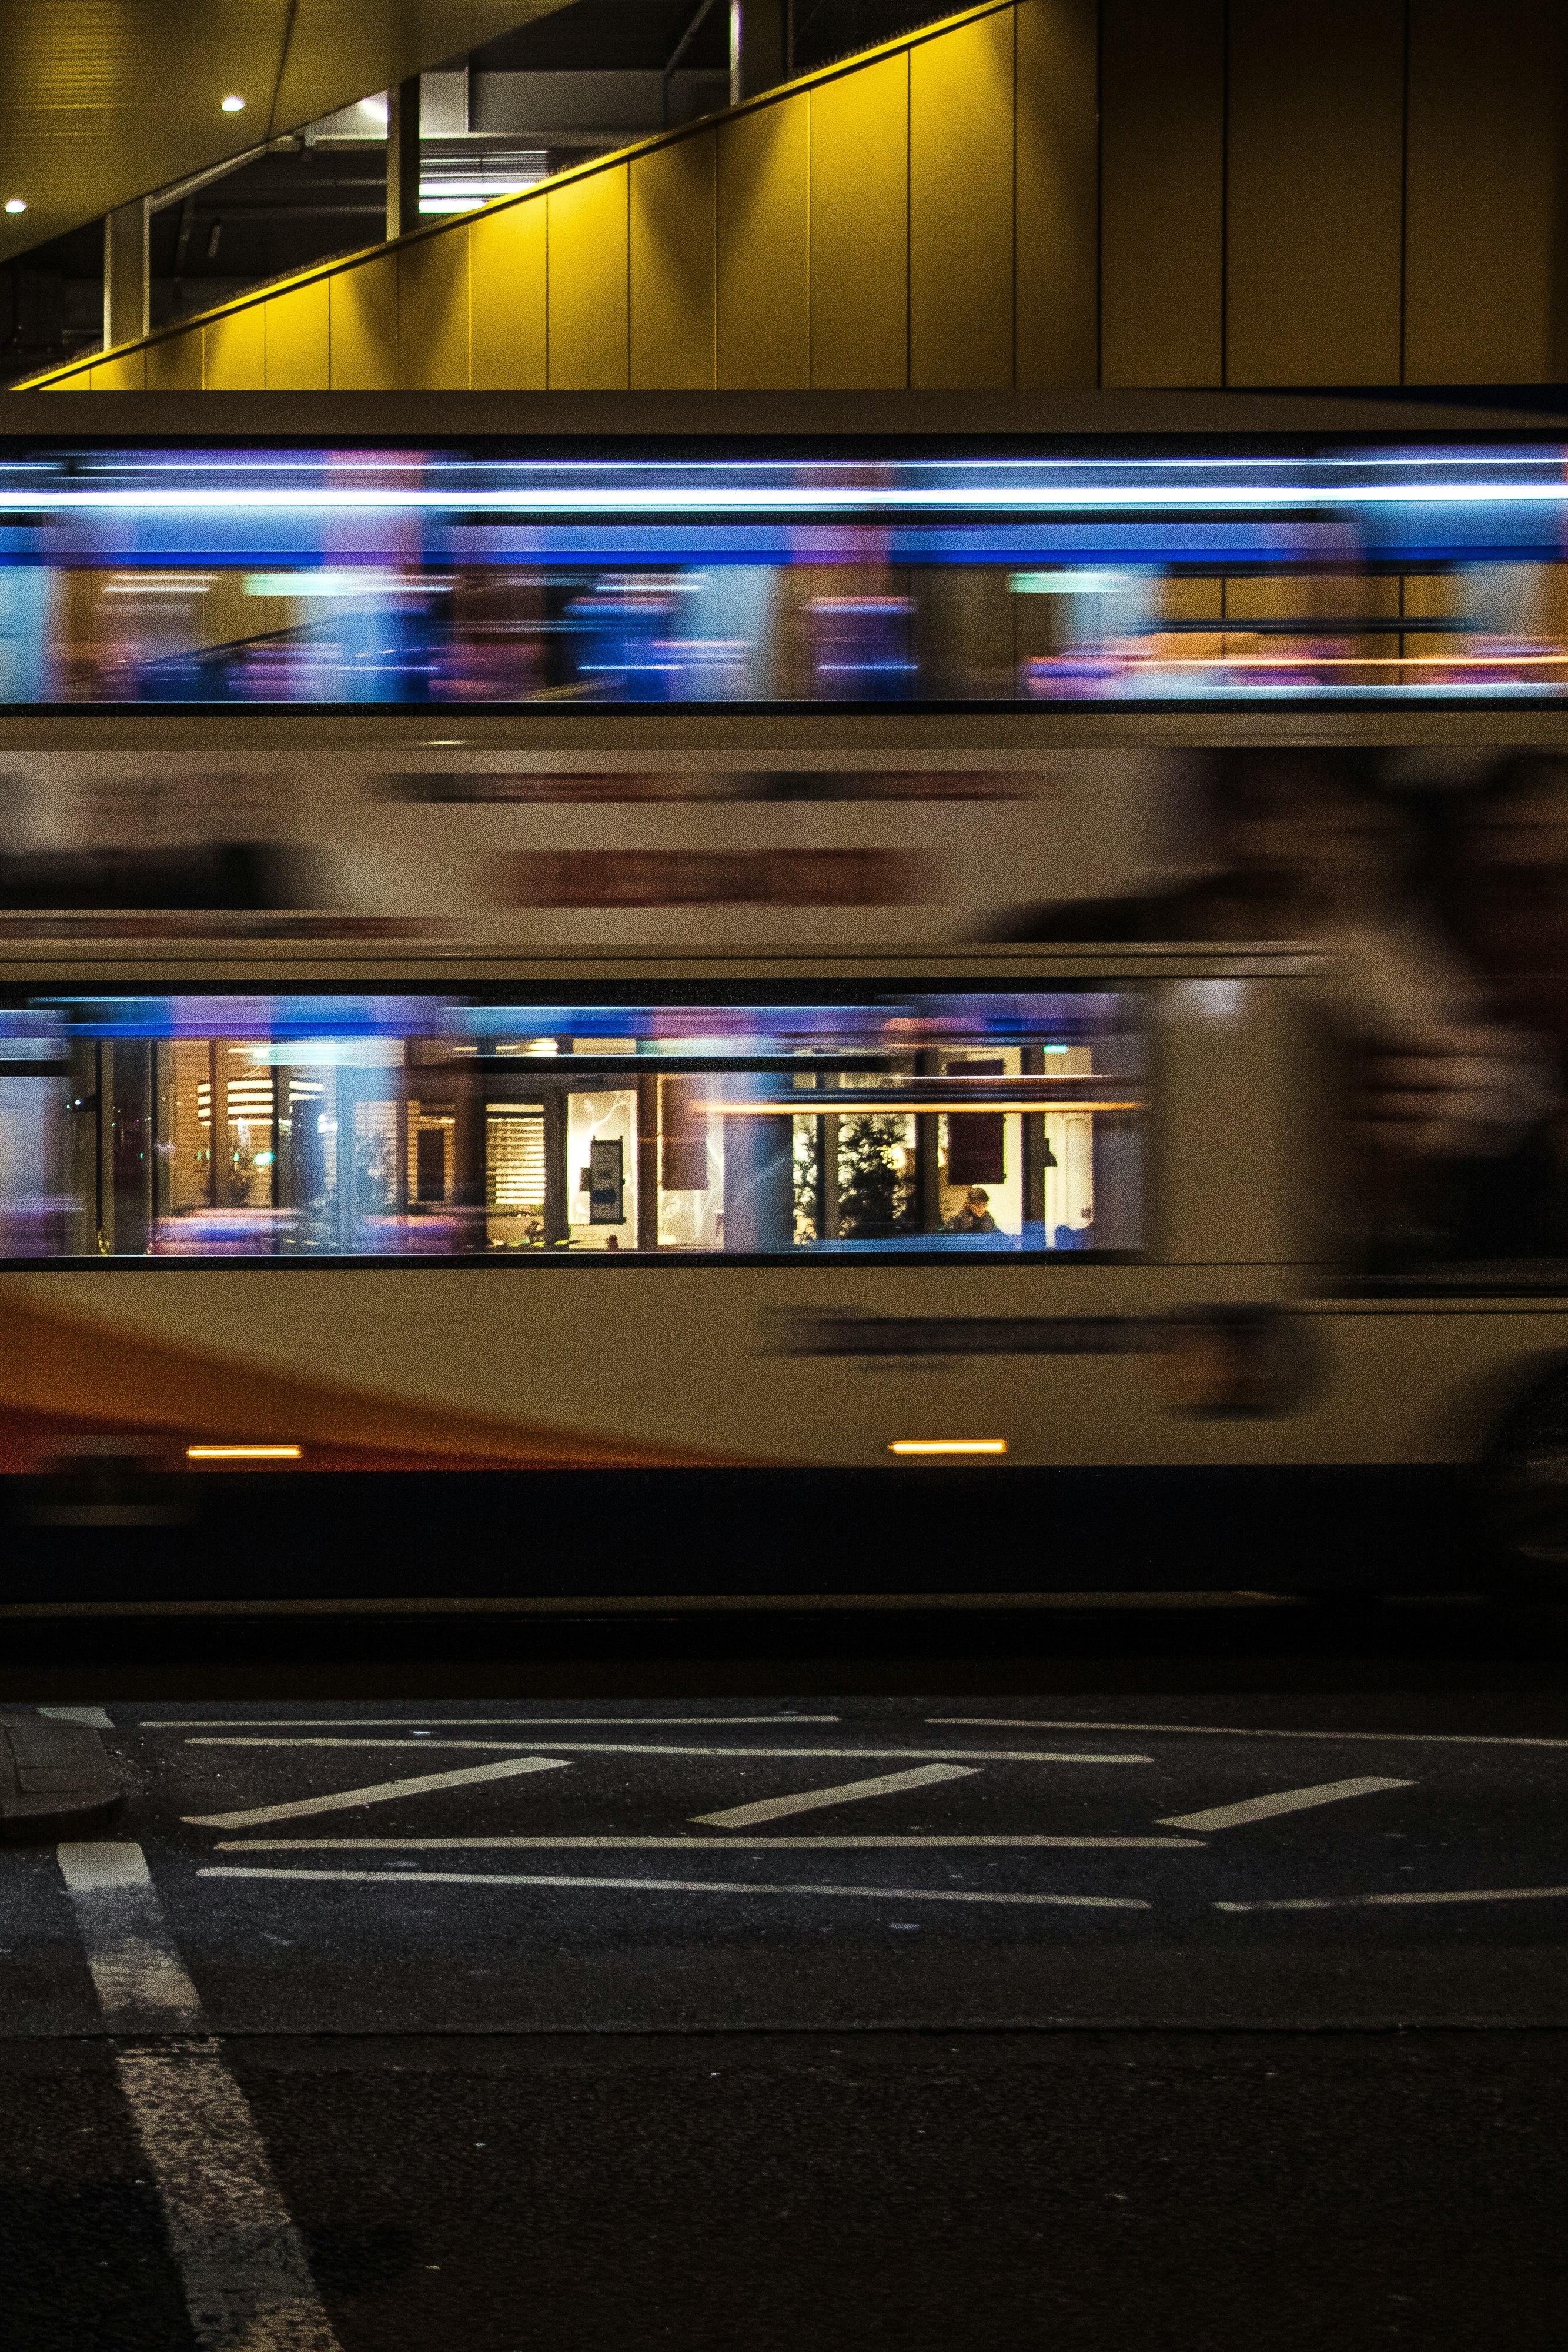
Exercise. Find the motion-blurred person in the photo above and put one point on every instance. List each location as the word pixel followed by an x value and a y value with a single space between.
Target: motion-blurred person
pixel 1269 844
pixel 1302 845
pixel 1502 878
pixel 1493 1100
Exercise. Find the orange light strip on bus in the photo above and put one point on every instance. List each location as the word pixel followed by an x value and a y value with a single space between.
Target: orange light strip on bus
pixel 949 1445
pixel 244 1452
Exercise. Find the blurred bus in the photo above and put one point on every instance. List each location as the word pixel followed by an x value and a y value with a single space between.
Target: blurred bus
pixel 1040 952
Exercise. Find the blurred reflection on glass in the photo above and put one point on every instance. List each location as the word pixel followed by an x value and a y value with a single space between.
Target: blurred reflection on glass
pixel 465 576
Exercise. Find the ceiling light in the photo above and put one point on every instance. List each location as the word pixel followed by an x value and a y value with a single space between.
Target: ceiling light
pixel 234 106
pixel 15 204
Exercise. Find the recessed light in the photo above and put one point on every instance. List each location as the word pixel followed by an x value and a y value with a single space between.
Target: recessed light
pixel 234 106
pixel 15 204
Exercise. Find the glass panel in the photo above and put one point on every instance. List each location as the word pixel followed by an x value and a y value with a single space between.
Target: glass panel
pixel 331 1127
pixel 463 575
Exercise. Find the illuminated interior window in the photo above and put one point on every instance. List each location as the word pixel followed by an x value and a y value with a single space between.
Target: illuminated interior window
pixel 514 1175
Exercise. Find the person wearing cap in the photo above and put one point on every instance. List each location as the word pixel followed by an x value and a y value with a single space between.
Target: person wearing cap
pixel 975 1216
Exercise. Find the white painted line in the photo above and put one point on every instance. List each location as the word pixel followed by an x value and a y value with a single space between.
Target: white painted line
pixel 446 1722
pixel 687 1842
pixel 848 1792
pixel 243 2266
pixel 669 1748
pixel 669 1886
pixel 139 1979
pixel 1280 1801
pixel 1351 1902
pixel 1236 1731
pixel 104 1866
pixel 379 1793
pixel 98 1717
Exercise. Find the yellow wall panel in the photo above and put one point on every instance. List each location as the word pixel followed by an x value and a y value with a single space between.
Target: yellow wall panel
pixel 175 363
pixel 1162 191
pixel 672 266
pixel 763 336
pixel 961 207
pixel 363 322
pixel 1054 192
pixel 297 339
pixel 1486 287
pixel 126 373
pixel 433 311
pixel 234 351
pixel 1315 192
pixel 1056 164
pixel 589 339
pixel 860 228
pixel 506 299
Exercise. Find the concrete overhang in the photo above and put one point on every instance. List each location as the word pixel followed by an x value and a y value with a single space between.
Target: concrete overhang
pixel 105 101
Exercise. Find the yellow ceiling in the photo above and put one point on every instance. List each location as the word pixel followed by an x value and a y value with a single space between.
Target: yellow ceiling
pixel 103 100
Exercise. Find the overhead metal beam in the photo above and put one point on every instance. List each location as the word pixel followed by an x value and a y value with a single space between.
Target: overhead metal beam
pixel 695 24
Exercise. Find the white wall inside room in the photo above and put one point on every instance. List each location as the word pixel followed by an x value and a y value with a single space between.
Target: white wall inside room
pixel 609 1117
pixel 1069 1185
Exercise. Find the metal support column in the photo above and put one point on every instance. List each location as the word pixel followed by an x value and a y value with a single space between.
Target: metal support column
pixel 759 46
pixel 403 158
pixel 827 1179
pixel 125 274
pixel 470 1177
pixel 558 1222
pixel 648 1162
pixel 927 1153
pixel 126 1094
pixel 1038 1155
pixel 399 1142
pixel 347 1083
pixel 105 1171
pixel 220 1169
pixel 758 1184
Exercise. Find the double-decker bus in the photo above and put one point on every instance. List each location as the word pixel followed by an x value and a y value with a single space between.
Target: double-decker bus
pixel 622 1077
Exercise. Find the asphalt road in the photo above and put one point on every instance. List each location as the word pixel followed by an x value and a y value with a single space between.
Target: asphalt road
pixel 617 1868
pixel 1204 2020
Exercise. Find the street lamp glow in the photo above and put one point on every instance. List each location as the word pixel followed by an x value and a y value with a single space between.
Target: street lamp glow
pixel 15 204
pixel 234 106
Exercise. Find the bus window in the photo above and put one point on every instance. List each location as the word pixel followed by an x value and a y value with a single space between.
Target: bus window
pixel 1001 1121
